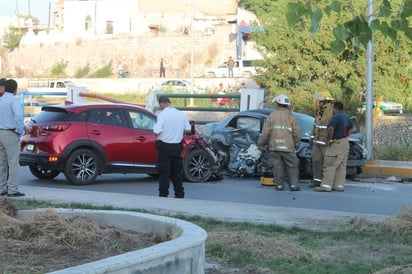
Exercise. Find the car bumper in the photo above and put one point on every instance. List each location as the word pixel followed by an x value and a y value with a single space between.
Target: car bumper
pixel 41 161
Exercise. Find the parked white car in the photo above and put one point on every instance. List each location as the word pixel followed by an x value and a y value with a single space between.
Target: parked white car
pixel 179 85
pixel 242 68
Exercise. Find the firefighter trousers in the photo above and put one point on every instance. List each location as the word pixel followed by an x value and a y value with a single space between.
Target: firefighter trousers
pixel 282 162
pixel 334 170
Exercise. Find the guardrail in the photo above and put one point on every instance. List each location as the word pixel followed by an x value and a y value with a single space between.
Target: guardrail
pixel 24 95
pixel 186 107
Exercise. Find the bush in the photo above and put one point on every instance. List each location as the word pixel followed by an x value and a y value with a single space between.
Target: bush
pixel 58 69
pixel 82 72
pixel 11 39
pixel 104 72
pixel 395 152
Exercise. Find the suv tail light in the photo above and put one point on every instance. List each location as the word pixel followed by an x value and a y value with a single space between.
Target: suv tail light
pixel 56 127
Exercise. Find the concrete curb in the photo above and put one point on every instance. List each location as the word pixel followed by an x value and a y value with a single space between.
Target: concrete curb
pixel 380 168
pixel 185 254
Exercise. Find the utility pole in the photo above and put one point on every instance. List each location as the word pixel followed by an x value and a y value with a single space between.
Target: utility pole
pixel 369 88
pixel 18 15
pixel 192 65
pixel 49 17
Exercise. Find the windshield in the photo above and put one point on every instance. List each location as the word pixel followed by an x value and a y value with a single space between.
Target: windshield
pixel 305 123
pixel 69 83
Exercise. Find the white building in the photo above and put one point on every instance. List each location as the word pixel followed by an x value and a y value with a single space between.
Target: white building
pixel 136 17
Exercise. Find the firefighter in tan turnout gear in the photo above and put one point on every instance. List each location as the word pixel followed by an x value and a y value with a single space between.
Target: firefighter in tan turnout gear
pixel 281 131
pixel 336 155
pixel 319 136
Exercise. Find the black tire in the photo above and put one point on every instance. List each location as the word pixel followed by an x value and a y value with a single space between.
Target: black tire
pixel 82 167
pixel 197 166
pixel 46 174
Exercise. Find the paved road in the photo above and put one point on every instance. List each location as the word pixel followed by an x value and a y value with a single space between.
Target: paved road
pixel 368 196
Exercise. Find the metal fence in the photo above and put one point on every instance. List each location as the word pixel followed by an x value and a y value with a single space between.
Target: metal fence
pixel 233 98
pixel 27 100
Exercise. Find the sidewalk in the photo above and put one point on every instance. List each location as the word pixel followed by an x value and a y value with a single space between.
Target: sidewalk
pixel 225 211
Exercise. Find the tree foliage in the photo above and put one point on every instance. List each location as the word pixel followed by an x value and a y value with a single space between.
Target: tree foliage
pixel 58 69
pixel 331 56
pixel 103 72
pixel 11 39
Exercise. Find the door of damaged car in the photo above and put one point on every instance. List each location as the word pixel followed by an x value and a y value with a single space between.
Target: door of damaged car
pixel 356 134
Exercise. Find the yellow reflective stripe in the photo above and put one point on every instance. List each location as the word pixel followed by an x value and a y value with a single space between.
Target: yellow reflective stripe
pixel 283 127
pixel 281 147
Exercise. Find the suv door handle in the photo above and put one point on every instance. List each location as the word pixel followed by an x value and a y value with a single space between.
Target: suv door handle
pixel 95 132
pixel 141 138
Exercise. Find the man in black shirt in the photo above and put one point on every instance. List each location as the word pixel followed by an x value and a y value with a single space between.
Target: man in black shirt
pixel 336 155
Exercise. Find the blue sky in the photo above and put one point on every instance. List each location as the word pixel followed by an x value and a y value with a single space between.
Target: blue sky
pixel 38 8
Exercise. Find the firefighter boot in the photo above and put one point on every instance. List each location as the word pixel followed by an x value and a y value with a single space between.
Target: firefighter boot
pixel 323 188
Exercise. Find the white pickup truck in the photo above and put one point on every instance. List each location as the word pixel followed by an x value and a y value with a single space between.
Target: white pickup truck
pixel 242 68
pixel 40 85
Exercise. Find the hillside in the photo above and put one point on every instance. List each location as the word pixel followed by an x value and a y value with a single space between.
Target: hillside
pixel 140 55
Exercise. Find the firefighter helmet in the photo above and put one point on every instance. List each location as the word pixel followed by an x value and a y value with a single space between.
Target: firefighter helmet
pixel 323 96
pixel 282 100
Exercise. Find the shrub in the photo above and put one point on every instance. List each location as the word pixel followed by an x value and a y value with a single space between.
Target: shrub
pixel 11 39
pixel 58 69
pixel 104 72
pixel 82 72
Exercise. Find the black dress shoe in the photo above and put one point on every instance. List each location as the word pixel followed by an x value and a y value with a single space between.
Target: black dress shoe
pixel 4 193
pixel 16 194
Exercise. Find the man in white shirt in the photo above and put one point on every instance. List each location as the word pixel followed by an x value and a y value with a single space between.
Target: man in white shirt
pixel 170 127
pixel 11 128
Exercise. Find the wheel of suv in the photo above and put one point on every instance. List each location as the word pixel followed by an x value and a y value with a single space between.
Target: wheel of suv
pixel 197 166
pixel 82 167
pixel 211 74
pixel 44 173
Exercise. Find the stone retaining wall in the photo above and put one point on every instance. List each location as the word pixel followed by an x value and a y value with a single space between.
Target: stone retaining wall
pixel 390 130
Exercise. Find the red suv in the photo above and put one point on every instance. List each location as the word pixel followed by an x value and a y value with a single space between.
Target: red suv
pixel 84 141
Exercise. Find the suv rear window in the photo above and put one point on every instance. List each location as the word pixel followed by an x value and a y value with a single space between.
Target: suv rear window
pixel 58 115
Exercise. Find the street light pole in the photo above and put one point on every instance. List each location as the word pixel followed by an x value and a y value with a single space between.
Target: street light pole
pixel 192 32
pixel 369 88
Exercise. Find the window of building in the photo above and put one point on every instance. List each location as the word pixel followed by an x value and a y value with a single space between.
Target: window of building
pixel 88 23
pixel 109 27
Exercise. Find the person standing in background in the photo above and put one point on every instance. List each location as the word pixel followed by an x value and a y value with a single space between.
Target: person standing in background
pixel 170 127
pixel 162 69
pixel 281 131
pixel 11 128
pixel 230 65
pixel 319 137
pixel 336 155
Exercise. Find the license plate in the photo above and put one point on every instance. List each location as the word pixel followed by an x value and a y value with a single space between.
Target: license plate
pixel 29 147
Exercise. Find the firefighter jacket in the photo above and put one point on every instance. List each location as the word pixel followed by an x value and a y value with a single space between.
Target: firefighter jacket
pixel 281 131
pixel 322 119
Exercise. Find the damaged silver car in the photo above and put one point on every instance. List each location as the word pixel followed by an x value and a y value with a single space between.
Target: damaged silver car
pixel 234 141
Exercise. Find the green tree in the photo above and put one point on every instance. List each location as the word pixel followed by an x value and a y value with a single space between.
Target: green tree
pixel 390 19
pixel 11 39
pixel 298 63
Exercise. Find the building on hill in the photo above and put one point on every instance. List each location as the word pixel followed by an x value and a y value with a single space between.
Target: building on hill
pixel 137 17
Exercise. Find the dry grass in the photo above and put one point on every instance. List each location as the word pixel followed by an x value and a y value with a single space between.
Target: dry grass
pixel 64 242
pixel 50 241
